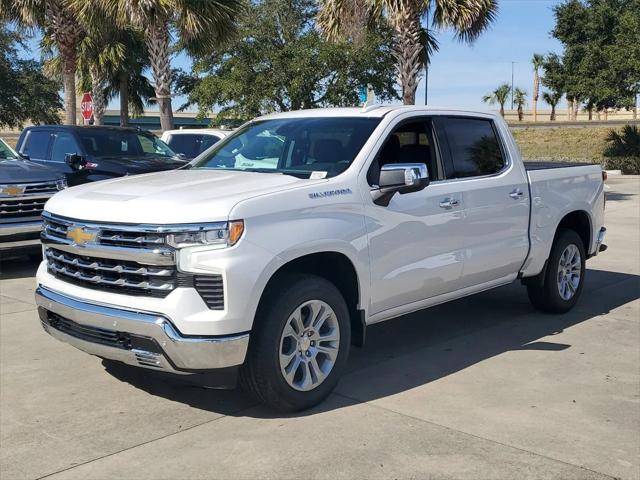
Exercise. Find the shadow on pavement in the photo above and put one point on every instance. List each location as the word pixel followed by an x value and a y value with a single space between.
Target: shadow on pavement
pixel 19 266
pixel 424 346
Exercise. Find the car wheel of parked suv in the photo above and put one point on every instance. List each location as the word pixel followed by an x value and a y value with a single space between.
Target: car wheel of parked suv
pixel 563 279
pixel 299 345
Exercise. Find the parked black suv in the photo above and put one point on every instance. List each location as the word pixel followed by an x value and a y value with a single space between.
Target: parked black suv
pixel 24 188
pixel 88 153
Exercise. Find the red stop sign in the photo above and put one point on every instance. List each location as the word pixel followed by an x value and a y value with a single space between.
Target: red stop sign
pixel 86 106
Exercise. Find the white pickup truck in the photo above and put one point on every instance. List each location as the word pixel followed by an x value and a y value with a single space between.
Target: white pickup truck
pixel 270 258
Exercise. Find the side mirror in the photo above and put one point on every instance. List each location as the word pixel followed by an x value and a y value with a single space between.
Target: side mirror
pixel 75 161
pixel 400 178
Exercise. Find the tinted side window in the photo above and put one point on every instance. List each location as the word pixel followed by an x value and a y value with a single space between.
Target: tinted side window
pixel 36 144
pixel 474 147
pixel 63 144
pixel 191 145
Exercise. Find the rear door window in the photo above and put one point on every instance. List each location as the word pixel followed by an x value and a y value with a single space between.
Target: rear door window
pixel 473 146
pixel 36 144
pixel 64 144
pixel 191 144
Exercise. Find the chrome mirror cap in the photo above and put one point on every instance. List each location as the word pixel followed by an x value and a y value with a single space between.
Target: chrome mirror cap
pixel 400 178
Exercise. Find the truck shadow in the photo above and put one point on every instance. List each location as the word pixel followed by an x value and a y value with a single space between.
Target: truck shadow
pixel 422 347
pixel 18 266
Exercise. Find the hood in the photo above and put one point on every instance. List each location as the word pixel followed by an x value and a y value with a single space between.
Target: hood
pixel 179 196
pixel 135 165
pixel 24 171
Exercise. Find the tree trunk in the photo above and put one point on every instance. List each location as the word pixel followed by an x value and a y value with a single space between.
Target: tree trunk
pixel 502 109
pixel 63 29
pixel 576 107
pixel 123 81
pixel 590 110
pixel 520 113
pixel 553 113
pixel 536 93
pixel 97 92
pixel 157 41
pixel 69 85
pixel 407 50
pixel 569 108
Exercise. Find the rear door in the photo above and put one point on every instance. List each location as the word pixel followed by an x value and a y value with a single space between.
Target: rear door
pixel 496 198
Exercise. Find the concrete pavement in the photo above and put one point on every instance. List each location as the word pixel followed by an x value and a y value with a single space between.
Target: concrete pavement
pixel 484 387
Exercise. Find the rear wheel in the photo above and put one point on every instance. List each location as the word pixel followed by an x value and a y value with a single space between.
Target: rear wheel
pixel 562 282
pixel 299 345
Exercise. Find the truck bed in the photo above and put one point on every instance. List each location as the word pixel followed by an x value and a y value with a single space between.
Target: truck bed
pixel 541 165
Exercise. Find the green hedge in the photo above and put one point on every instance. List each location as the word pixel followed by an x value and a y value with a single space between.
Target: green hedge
pixel 628 165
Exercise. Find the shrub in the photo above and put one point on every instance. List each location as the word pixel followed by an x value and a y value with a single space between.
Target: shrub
pixel 629 165
pixel 623 144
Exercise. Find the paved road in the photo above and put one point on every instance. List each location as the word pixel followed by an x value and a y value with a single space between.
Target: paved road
pixel 483 388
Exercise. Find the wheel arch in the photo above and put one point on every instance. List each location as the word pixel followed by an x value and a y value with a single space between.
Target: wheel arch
pixel 580 222
pixel 335 267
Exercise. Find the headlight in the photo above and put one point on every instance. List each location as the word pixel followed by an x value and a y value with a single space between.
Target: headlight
pixel 61 184
pixel 224 235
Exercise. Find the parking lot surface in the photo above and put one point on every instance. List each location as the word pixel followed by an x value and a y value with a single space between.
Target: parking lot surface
pixel 484 387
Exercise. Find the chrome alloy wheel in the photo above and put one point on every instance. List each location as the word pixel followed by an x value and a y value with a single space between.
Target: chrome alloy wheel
pixel 569 272
pixel 309 345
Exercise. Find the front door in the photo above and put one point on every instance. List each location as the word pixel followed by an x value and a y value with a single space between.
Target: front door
pixel 415 243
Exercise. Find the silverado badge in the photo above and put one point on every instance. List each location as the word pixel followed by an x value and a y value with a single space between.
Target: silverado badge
pixel 81 235
pixel 12 190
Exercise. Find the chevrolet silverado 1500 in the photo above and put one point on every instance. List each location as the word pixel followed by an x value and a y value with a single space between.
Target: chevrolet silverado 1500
pixel 274 266
pixel 24 189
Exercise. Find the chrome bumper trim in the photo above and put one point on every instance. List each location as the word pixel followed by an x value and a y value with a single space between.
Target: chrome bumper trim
pixel 180 354
pixel 7 229
pixel 19 244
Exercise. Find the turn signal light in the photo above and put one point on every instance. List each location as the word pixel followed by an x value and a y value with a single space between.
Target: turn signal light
pixel 236 228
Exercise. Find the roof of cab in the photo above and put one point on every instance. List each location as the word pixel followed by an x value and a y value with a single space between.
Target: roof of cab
pixel 87 127
pixel 375 111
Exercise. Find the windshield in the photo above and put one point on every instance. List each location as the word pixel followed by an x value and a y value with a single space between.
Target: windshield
pixel 324 147
pixel 6 152
pixel 117 143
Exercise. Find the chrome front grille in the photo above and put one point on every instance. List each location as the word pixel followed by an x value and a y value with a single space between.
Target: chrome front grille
pixel 14 208
pixel 25 201
pixel 126 259
pixel 110 274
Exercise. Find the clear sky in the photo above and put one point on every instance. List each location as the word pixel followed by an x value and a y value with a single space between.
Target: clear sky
pixel 460 74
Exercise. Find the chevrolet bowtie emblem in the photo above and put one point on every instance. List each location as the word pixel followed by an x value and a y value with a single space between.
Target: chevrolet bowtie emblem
pixel 81 235
pixel 13 190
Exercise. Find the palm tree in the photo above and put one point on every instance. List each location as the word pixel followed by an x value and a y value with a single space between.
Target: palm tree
pixel 499 96
pixel 199 25
pixel 340 19
pixel 537 62
pixel 520 99
pixel 58 22
pixel 552 98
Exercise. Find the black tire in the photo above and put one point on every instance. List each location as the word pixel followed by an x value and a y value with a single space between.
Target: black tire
pixel 544 293
pixel 261 375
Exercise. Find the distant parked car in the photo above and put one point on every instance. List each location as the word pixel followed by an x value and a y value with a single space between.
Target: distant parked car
pixel 88 153
pixel 24 188
pixel 191 143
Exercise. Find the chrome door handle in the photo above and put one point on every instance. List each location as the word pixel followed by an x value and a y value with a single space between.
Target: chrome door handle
pixel 449 203
pixel 516 194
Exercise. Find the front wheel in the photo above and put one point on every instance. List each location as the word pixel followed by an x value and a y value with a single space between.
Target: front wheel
pixel 563 279
pixel 299 345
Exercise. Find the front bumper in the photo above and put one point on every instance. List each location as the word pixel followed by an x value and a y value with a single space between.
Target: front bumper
pixel 138 338
pixel 20 234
